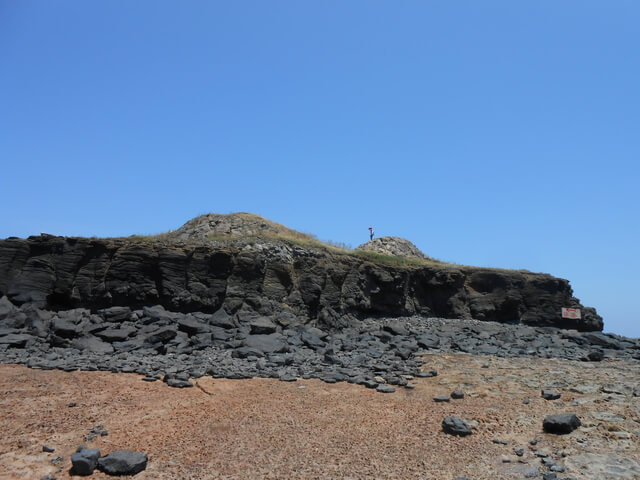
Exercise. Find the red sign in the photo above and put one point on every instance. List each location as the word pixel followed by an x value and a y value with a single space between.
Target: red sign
pixel 571 313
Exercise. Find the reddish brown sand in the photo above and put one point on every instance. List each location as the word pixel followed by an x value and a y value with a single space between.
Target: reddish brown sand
pixel 308 429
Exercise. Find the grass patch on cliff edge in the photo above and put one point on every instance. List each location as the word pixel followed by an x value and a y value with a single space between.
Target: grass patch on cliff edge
pixel 306 240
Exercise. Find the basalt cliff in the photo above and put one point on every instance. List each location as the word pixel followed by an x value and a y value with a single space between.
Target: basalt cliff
pixel 244 263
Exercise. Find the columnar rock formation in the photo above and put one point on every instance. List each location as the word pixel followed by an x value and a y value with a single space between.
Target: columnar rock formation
pixel 264 268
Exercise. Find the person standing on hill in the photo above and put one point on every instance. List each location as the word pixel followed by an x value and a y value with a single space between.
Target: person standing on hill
pixel 370 233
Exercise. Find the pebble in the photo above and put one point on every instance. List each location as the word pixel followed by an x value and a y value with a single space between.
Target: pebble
pixel 441 398
pixel 48 449
pixel 457 394
pixel 550 395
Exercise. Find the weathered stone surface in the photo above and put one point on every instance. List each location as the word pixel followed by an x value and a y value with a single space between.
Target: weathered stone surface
pixel 115 314
pixel 550 395
pixel 457 394
pixel 262 325
pixel 456 426
pixel 561 423
pixel 92 344
pixel 161 335
pixel 15 340
pixel 273 343
pixel 64 328
pixel 393 246
pixel 395 328
pixel 123 462
pixel 441 398
pixel 192 325
pixel 115 334
pixel 604 467
pixel 84 461
pixel 268 277
pixel 222 319
pixel 6 307
pixel 384 388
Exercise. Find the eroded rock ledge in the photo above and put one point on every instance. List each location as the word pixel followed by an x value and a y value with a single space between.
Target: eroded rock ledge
pixel 267 276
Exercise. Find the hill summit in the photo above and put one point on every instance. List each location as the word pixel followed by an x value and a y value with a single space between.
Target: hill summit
pixel 396 246
pixel 215 225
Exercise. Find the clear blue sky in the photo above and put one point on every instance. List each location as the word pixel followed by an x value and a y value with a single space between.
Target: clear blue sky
pixel 501 134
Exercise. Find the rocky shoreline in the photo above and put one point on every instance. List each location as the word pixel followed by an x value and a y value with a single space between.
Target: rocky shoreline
pixel 586 381
pixel 374 352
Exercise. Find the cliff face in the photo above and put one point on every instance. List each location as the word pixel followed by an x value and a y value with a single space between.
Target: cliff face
pixel 272 277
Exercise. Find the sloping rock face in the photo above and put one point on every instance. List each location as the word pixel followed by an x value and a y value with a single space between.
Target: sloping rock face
pixel 271 278
pixel 395 246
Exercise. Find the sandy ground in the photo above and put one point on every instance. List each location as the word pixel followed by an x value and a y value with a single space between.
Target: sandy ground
pixel 267 429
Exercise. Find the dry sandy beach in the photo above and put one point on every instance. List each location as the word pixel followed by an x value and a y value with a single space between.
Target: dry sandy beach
pixel 265 428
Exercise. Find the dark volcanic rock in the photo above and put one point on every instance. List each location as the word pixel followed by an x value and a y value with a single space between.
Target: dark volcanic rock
pixel 192 325
pixel 16 340
pixel 84 461
pixel 178 383
pixel 384 388
pixel 6 308
pixel 161 335
pixel 123 462
pixel 550 395
pixel 273 343
pixel 92 344
pixel 262 325
pixel 222 319
pixel 64 328
pixel 456 426
pixel 457 394
pixel 115 314
pixel 62 273
pixel 115 334
pixel 595 356
pixel 395 328
pixel 561 423
pixel 442 398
